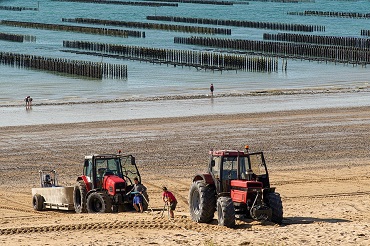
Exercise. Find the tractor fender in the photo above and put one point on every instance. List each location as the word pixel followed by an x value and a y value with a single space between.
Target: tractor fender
pixel 266 193
pixel 206 177
pixel 84 179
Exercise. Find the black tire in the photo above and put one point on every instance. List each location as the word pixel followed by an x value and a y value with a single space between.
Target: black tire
pixel 202 202
pixel 127 207
pixel 115 209
pixel 226 212
pixel 276 205
pixel 79 197
pixel 99 203
pixel 38 202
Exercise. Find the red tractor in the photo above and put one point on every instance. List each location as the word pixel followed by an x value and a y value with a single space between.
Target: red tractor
pixel 106 184
pixel 235 185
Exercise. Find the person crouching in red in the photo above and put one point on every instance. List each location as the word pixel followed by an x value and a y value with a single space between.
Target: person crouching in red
pixel 169 200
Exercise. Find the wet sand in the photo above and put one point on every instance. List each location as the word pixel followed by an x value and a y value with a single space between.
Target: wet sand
pixel 180 106
pixel 318 159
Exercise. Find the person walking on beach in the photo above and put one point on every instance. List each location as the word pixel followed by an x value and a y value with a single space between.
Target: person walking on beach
pixel 138 189
pixel 169 200
pixel 211 88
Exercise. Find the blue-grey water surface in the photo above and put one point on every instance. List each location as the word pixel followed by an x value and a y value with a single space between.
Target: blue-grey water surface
pixel 146 80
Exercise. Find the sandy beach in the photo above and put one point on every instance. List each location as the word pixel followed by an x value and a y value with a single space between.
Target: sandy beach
pixel 318 160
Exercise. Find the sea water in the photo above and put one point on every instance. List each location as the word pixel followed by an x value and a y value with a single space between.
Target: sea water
pixel 147 80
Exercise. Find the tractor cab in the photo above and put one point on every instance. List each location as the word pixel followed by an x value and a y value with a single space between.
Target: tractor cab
pixel 228 165
pixel 121 170
pixel 236 185
pixel 106 184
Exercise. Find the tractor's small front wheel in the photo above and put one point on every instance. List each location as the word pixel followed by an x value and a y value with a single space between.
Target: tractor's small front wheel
pixel 226 212
pixel 99 203
pixel 276 205
pixel 202 202
pixel 38 202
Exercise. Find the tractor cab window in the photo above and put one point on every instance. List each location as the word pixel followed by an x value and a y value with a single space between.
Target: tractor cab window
pixel 229 167
pixel 88 170
pixel 129 169
pixel 216 167
pixel 257 165
pixel 101 168
pixel 113 167
pixel 244 167
pixel 108 166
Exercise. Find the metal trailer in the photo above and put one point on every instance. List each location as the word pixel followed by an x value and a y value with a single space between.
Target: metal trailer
pixel 50 195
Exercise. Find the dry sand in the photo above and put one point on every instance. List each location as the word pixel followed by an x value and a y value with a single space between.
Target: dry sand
pixel 319 161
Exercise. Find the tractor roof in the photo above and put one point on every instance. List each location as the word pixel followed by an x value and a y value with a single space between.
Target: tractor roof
pixel 102 156
pixel 227 153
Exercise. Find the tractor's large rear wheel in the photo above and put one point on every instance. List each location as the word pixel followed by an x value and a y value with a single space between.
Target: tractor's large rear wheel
pixel 276 206
pixel 202 202
pixel 38 202
pixel 226 212
pixel 79 197
pixel 99 203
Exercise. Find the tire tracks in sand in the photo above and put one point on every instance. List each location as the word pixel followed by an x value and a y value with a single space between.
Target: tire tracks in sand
pixel 155 223
pixel 332 195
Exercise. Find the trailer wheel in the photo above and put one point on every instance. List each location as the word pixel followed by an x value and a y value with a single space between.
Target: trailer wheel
pixel 276 205
pixel 226 212
pixel 99 203
pixel 79 197
pixel 38 202
pixel 202 202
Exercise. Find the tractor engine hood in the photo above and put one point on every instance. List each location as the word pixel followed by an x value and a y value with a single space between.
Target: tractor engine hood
pixel 243 190
pixel 245 184
pixel 114 184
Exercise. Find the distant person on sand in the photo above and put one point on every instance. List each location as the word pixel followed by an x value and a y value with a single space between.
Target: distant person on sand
pixel 169 200
pixel 212 88
pixel 28 101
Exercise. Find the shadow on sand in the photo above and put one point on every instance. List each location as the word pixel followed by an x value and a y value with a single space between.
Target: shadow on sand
pixel 310 220
pixel 249 223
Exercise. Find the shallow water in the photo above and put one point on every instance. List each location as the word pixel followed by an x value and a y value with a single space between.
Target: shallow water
pixel 54 114
pixel 148 80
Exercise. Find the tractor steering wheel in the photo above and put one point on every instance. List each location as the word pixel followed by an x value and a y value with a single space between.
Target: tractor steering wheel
pixel 101 171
